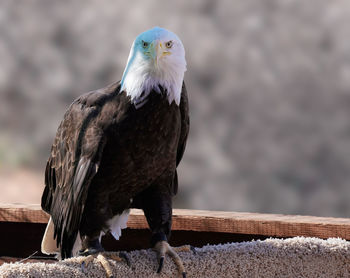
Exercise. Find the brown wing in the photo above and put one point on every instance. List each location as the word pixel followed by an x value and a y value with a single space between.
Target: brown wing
pixel 185 126
pixel 74 160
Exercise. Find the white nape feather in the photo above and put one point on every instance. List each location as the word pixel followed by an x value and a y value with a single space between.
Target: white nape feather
pixel 142 74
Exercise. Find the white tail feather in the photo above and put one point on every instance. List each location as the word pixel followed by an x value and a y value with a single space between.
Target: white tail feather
pixel 48 244
pixel 117 223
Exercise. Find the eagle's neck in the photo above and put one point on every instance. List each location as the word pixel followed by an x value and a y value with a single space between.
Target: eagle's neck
pixel 140 78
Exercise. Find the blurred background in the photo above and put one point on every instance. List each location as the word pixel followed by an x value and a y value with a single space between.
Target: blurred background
pixel 268 82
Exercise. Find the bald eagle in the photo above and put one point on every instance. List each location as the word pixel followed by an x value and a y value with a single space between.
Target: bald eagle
pixel 118 148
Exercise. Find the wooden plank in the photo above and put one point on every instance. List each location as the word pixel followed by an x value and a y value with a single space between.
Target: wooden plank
pixel 22 239
pixel 276 225
pixel 31 213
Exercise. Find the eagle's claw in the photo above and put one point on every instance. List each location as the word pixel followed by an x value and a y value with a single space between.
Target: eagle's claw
pixel 126 257
pixel 161 263
pixel 162 247
pixel 102 259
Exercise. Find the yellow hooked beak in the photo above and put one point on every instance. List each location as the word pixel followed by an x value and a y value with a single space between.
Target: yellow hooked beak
pixel 158 50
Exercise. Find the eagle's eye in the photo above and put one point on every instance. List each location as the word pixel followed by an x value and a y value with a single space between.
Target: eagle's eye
pixel 144 44
pixel 169 44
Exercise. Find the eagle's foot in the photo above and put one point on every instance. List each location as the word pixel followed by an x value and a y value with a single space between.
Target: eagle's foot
pixel 185 248
pixel 102 258
pixel 90 251
pixel 163 247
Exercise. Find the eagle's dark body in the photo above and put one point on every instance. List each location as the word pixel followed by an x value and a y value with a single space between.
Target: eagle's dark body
pixel 109 156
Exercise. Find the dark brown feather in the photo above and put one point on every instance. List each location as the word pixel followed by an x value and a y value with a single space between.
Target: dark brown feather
pixel 105 153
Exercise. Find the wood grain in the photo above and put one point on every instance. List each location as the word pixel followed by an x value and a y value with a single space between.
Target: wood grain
pixel 274 225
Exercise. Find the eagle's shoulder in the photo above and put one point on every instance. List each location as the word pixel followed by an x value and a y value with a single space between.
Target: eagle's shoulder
pixel 109 105
pixel 185 127
pixel 185 124
pixel 97 98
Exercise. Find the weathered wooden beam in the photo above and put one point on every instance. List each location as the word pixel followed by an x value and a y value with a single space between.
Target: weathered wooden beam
pixel 276 225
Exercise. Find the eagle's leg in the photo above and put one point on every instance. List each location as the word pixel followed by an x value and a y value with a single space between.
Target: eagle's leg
pixel 156 203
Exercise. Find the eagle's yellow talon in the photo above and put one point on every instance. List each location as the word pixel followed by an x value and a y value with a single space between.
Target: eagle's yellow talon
pixel 102 258
pixel 162 248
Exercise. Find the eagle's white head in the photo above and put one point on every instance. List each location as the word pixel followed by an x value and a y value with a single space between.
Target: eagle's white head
pixel 157 57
